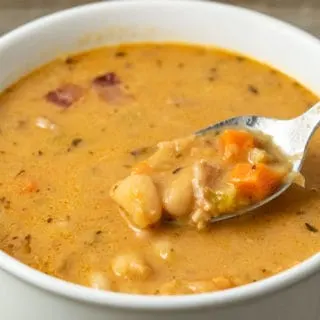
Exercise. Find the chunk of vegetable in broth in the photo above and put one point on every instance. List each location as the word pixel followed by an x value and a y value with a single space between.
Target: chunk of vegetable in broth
pixel 235 144
pixel 255 181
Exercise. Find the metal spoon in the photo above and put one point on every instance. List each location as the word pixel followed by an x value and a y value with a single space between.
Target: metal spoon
pixel 292 136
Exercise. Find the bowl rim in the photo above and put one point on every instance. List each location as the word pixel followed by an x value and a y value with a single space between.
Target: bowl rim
pixel 76 292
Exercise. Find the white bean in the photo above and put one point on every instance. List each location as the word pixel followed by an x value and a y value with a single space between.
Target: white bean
pixel 131 266
pixel 178 196
pixel 98 280
pixel 138 196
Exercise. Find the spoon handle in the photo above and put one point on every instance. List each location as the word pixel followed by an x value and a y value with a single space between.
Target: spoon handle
pixel 310 119
pixel 301 129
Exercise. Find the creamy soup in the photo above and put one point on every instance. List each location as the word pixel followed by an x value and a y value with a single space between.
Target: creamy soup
pixel 72 129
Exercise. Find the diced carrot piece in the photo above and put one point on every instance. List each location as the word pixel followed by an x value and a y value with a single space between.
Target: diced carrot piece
pixel 142 168
pixel 239 137
pixel 256 182
pixel 235 144
pixel 30 187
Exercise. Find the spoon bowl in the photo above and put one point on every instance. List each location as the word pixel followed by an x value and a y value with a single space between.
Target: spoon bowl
pixel 291 136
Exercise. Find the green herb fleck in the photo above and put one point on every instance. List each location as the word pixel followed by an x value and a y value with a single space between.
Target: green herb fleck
pixel 139 151
pixel 175 171
pixel 120 54
pixel 75 142
pixel 253 89
pixel 310 227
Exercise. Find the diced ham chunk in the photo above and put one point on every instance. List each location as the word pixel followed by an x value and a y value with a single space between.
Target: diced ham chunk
pixel 108 86
pixel 205 176
pixel 65 95
pixel 113 95
pixel 106 80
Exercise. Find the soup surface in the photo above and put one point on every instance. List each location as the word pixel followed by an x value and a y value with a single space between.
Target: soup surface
pixel 73 128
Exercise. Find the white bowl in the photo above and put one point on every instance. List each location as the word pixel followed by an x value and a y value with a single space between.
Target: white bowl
pixel 28 294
